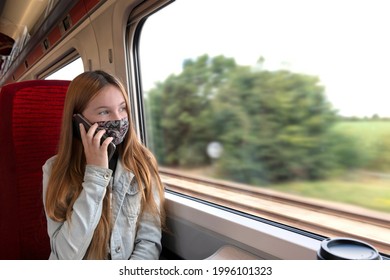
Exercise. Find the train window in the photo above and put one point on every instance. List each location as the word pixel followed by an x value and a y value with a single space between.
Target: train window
pixel 68 72
pixel 278 109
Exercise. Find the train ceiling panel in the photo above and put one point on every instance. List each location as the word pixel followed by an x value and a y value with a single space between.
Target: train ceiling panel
pixel 18 17
pixel 28 28
pixel 18 21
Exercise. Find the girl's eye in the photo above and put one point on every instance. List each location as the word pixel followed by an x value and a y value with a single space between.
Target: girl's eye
pixel 122 109
pixel 103 113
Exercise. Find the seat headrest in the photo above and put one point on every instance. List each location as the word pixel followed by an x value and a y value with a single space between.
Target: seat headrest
pixel 30 121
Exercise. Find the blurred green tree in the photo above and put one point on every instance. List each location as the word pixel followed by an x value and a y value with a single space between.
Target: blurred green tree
pixel 273 125
pixel 275 128
pixel 180 111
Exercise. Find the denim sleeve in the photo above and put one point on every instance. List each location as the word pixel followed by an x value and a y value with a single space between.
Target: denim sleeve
pixel 70 239
pixel 148 237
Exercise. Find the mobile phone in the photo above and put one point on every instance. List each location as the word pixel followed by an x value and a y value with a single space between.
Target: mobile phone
pixel 77 119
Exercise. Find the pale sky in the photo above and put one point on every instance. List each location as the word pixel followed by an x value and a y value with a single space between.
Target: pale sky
pixel 344 42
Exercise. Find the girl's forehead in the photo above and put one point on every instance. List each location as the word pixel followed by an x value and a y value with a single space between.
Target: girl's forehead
pixel 107 96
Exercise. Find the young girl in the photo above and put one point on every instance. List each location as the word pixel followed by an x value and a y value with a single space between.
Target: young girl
pixel 96 208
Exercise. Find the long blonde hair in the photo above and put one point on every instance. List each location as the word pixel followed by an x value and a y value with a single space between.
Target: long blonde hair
pixel 65 182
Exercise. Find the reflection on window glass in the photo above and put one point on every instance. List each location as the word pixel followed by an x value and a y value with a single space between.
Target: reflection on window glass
pixel 68 72
pixel 287 95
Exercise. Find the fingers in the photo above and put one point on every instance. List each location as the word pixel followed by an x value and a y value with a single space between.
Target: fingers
pixel 106 142
pixel 91 136
pixel 91 131
pixel 96 137
pixel 95 152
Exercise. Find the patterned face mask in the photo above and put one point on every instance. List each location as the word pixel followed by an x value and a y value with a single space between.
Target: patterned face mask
pixel 116 129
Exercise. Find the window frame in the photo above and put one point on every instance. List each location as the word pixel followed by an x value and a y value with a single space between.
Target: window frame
pixel 60 63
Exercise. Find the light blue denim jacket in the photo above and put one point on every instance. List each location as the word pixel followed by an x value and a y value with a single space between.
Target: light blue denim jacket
pixel 129 239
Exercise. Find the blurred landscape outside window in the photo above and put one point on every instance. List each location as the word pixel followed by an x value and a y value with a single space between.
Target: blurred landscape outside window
pixel 287 95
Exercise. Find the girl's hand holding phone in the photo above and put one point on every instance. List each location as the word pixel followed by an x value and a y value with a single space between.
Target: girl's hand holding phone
pixel 95 153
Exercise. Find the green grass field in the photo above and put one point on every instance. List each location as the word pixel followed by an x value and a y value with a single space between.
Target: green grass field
pixel 354 187
pixel 370 141
pixel 368 133
pixel 371 193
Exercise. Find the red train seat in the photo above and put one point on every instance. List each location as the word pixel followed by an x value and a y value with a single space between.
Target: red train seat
pixel 30 121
